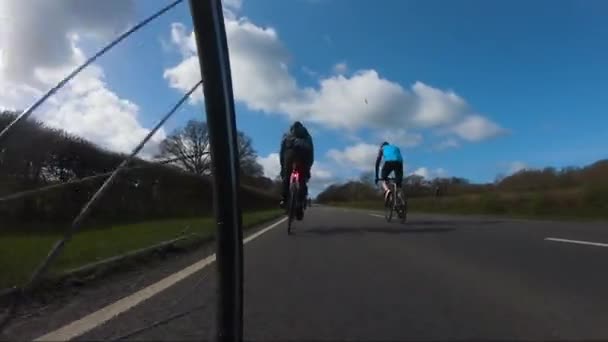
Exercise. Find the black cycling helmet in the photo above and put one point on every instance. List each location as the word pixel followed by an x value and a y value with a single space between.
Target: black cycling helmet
pixel 384 144
pixel 298 129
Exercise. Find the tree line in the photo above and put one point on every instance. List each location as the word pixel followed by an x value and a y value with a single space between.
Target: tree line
pixel 593 179
pixel 37 156
pixel 364 188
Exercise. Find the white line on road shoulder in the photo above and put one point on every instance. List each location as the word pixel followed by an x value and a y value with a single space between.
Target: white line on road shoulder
pixel 589 243
pixel 103 315
pixel 374 215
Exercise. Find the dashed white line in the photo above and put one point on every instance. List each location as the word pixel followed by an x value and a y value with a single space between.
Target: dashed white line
pixel 374 215
pixel 97 318
pixel 589 243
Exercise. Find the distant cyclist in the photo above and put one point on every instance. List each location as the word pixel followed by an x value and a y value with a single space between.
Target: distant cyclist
pixel 393 162
pixel 296 146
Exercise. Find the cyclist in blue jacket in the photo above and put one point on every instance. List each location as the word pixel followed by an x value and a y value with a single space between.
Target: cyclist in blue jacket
pixel 393 162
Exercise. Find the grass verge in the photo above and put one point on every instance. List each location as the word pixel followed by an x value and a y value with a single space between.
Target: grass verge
pixel 21 253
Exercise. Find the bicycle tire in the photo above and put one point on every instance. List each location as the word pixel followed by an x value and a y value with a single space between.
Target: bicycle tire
pixel 291 211
pixel 389 206
pixel 402 207
pixel 395 199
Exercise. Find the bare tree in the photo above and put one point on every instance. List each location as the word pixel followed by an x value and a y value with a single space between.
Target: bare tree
pixel 190 146
pixel 248 157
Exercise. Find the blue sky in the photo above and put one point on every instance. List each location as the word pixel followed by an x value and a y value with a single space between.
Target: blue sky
pixel 500 85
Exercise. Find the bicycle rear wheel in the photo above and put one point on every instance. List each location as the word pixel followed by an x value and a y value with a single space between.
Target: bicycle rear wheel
pixel 291 211
pixel 389 206
pixel 402 205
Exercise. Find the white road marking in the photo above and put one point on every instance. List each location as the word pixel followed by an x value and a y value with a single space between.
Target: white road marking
pixel 255 236
pixel 97 318
pixel 374 215
pixel 589 243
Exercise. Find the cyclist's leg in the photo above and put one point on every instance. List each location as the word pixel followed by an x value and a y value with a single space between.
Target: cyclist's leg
pixel 399 178
pixel 288 165
pixel 307 160
pixel 304 158
pixel 303 191
pixel 385 172
pixel 385 187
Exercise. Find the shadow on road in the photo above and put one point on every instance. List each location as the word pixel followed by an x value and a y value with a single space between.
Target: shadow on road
pixel 454 222
pixel 328 231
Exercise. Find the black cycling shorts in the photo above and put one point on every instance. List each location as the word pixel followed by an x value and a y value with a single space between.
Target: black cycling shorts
pixel 391 166
pixel 299 155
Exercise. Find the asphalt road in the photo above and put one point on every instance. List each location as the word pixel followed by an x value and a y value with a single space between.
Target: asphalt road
pixel 349 275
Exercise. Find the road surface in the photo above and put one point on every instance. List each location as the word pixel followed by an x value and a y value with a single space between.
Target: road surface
pixel 349 275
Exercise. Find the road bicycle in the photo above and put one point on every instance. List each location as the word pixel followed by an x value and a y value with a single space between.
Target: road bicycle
pixel 395 203
pixel 295 207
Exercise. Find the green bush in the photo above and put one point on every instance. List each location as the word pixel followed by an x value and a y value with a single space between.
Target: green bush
pixel 596 196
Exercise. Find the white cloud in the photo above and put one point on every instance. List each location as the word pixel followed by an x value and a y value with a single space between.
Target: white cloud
pixel 400 137
pixel 361 156
pixel 309 72
pixel 476 128
pixel 89 109
pixel 271 165
pixel 434 107
pixel 321 173
pixel 364 99
pixel 231 8
pixel 429 174
pixel 321 177
pixel 37 33
pixel 16 96
pixel 44 47
pixel 517 166
pixel 262 81
pixel 422 172
pixel 340 68
pixel 182 77
pixel 233 4
pixel 446 144
pixel 440 172
pixel 185 42
pixel 258 65
pixel 186 74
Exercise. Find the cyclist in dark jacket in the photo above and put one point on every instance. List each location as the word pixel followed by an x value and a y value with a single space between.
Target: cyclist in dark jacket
pixel 297 146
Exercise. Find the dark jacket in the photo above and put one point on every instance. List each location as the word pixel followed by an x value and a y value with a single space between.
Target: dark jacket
pixel 298 138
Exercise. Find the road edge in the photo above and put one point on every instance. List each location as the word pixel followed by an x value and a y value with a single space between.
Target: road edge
pixel 98 270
